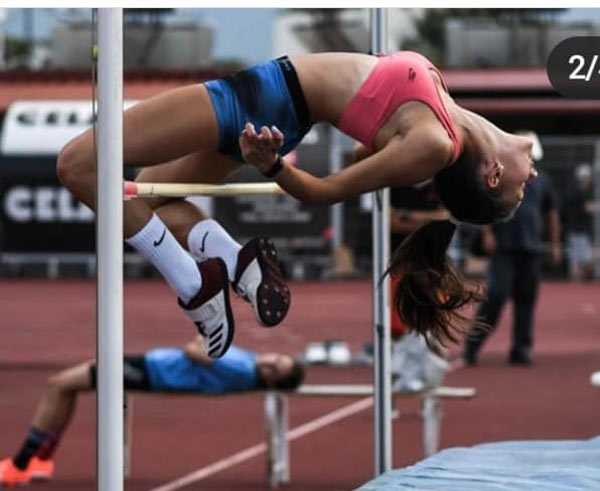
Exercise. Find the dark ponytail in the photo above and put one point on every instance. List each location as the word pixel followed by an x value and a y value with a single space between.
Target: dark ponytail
pixel 430 291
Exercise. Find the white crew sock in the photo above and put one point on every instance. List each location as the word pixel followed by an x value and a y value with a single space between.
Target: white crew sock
pixel 157 244
pixel 208 239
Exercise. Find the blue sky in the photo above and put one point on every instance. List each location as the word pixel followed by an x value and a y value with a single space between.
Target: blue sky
pixel 239 33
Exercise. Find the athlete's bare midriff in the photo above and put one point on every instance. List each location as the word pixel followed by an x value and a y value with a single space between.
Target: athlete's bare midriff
pixel 330 81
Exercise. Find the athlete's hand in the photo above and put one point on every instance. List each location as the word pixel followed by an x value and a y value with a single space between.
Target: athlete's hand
pixel 261 149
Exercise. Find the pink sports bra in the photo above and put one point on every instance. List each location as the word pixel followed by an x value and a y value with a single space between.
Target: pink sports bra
pixel 396 78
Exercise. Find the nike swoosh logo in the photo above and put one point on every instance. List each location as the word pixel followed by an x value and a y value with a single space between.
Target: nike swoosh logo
pixel 203 241
pixel 162 237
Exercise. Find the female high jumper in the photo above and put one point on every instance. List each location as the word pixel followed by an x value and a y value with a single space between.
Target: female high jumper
pixel 410 130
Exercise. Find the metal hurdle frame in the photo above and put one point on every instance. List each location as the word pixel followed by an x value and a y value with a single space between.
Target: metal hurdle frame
pixel 109 250
pixel 278 434
pixel 276 418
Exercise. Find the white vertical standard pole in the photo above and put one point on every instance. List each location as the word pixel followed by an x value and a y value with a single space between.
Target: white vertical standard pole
pixel 109 250
pixel 381 292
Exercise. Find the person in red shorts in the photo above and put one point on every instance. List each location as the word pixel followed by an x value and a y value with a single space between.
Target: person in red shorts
pixel 410 208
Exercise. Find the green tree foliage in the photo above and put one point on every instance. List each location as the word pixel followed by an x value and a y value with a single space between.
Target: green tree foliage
pixel 16 50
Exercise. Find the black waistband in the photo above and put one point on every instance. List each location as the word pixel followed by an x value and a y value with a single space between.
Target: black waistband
pixel 293 84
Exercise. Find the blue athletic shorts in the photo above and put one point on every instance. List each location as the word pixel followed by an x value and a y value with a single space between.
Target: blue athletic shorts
pixel 264 95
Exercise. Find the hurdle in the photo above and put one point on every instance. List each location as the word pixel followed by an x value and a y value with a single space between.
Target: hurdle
pixel 276 419
pixel 278 435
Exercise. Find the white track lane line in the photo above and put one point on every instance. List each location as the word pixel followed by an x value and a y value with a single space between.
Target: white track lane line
pixel 261 448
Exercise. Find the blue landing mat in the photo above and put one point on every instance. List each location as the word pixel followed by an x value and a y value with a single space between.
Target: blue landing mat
pixel 563 465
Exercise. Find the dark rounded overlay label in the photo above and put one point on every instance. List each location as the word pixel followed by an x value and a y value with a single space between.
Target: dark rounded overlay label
pixel 574 67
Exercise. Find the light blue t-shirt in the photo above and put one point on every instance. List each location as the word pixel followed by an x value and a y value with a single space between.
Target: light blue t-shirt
pixel 169 369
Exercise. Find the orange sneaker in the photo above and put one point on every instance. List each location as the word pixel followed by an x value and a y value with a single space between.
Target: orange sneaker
pixel 11 475
pixel 40 470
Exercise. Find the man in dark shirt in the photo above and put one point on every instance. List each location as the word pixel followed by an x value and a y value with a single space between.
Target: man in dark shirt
pixel 515 248
pixel 410 207
pixel 578 214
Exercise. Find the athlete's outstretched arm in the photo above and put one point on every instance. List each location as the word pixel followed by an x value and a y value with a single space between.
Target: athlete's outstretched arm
pixel 404 161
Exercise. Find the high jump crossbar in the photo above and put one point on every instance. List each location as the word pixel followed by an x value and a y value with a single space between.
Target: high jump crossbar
pixel 181 190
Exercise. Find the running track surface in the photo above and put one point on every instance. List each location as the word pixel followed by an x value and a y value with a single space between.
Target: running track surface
pixel 48 325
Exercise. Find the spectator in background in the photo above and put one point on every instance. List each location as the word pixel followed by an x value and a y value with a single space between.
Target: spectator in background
pixel 415 364
pixel 578 215
pixel 514 249
pixel 410 207
pixel 175 370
